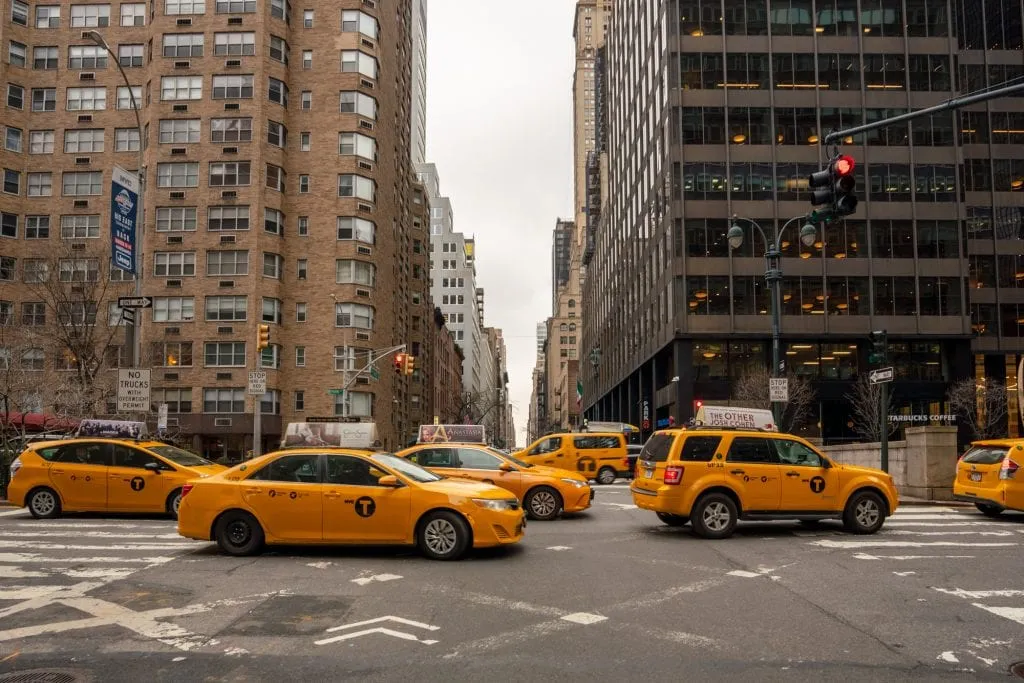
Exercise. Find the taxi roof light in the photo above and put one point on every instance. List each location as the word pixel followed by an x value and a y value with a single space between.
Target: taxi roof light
pixel 114 429
pixel 452 433
pixel 356 435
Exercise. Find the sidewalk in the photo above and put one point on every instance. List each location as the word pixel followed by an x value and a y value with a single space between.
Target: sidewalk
pixel 908 500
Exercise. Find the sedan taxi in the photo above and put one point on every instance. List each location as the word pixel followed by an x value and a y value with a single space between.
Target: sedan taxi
pixel 336 494
pixel 460 451
pixel 987 475
pixel 95 474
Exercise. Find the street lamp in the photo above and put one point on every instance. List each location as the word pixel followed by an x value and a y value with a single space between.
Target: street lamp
pixel 134 328
pixel 773 278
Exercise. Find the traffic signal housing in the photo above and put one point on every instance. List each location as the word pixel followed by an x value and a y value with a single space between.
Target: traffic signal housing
pixel 409 366
pixel 400 359
pixel 879 354
pixel 262 337
pixel 835 186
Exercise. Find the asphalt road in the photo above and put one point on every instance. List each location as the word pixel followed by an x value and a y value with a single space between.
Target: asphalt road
pixel 610 594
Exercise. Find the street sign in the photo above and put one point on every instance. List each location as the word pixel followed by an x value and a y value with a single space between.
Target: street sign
pixel 161 417
pixel 133 391
pixel 336 392
pixel 881 375
pixel 384 631
pixel 128 315
pixel 124 214
pixel 374 372
pixel 134 302
pixel 257 383
pixel 778 389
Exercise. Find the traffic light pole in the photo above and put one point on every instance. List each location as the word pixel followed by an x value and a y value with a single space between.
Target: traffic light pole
pixel 345 404
pixel 955 103
pixel 884 420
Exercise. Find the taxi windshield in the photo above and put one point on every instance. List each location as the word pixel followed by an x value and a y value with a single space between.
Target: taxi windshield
pixel 179 456
pixel 409 469
pixel 515 461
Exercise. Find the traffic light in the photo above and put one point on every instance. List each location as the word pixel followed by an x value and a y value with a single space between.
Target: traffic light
pixel 400 363
pixel 262 337
pixel 834 186
pixel 409 366
pixel 879 354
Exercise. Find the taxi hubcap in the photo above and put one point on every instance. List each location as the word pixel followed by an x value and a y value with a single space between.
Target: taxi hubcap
pixel 867 512
pixel 606 477
pixel 176 503
pixel 238 532
pixel 43 502
pixel 716 516
pixel 440 536
pixel 543 504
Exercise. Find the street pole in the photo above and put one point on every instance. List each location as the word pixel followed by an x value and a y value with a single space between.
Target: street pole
pixel 955 103
pixel 133 330
pixel 883 418
pixel 257 422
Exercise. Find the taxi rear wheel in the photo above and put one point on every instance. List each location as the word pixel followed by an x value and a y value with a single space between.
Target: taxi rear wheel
pixel 864 513
pixel 673 520
pixel 173 503
pixel 606 475
pixel 543 503
pixel 988 509
pixel 444 535
pixel 44 503
pixel 714 516
pixel 238 533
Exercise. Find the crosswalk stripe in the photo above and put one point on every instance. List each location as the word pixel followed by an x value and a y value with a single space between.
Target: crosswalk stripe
pixel 35 545
pixel 85 534
pixel 858 543
pixel 156 525
pixel 30 558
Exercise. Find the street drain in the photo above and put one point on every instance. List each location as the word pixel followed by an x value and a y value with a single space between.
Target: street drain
pixel 1017 669
pixel 43 676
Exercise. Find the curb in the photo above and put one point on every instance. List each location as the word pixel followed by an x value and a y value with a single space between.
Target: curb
pixel 936 503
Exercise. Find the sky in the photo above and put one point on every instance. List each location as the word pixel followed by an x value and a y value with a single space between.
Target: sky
pixel 499 128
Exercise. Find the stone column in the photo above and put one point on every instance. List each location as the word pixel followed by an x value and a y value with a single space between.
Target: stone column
pixel 931 462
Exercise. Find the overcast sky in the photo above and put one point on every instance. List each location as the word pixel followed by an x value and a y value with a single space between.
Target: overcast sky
pixel 499 128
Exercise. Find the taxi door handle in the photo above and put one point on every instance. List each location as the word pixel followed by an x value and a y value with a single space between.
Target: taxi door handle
pixel 254 490
pixel 57 471
pixel 737 471
pixel 792 474
pixel 332 495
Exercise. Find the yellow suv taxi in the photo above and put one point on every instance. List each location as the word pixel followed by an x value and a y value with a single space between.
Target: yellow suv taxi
pixel 342 492
pixel 986 475
pixel 460 451
pixel 601 456
pixel 85 474
pixel 713 477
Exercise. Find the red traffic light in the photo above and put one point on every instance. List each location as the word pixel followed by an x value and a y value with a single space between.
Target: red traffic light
pixel 843 165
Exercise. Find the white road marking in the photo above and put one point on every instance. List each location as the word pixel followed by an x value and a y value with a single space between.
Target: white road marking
pixel 905 532
pixel 32 545
pixel 362 581
pixel 827 543
pixel 235 651
pixel 12 513
pixel 1011 613
pixel 927 509
pixel 901 523
pixel 560 547
pixel 386 631
pixel 948 657
pixel 319 565
pixel 980 595
pixel 584 618
pixel 7 572
pixel 620 506
pixel 11 558
pixel 85 534
pixel 744 574
pixel 44 524
pixel 904 573
pixel 922 517
pixel 865 556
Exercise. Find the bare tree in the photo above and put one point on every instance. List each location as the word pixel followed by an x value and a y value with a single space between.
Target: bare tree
pixel 981 406
pixel 751 391
pixel 867 411
pixel 475 406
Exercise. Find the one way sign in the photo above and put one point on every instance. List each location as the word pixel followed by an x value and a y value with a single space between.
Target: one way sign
pixel 881 375
pixel 134 302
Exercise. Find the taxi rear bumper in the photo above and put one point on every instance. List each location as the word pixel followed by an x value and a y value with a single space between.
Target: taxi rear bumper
pixel 977 494
pixel 17 491
pixel 669 499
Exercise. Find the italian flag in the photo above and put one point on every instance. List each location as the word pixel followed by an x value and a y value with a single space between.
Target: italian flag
pixel 579 392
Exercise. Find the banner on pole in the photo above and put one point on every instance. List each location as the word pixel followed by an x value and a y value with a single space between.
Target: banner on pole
pixel 124 213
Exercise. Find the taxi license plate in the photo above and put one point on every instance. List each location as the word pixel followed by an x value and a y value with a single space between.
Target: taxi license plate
pixel 648 472
pixel 975 476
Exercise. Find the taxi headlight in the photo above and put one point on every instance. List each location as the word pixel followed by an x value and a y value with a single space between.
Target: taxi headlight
pixel 575 482
pixel 499 504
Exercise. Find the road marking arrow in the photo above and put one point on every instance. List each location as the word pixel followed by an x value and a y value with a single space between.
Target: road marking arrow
pixel 386 631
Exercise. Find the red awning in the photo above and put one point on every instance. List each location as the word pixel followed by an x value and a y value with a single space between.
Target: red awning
pixel 40 422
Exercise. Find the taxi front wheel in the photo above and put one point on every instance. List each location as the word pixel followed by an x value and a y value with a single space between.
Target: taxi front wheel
pixel 543 503
pixel 864 513
pixel 444 535
pixel 44 503
pixel 238 533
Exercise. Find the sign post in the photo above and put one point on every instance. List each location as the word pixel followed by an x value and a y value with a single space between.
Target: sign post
pixel 883 376
pixel 126 225
pixel 257 387
pixel 133 391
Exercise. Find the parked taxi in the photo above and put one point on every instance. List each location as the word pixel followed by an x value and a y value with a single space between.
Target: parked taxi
pixel 601 456
pixel 96 474
pixel 986 475
pixel 460 451
pixel 344 491
pixel 711 477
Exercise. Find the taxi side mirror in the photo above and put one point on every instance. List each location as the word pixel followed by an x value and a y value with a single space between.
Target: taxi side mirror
pixel 825 464
pixel 389 480
pixel 152 467
pixel 506 467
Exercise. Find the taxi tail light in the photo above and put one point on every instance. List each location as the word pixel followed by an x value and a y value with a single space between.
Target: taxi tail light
pixel 1009 469
pixel 15 466
pixel 185 490
pixel 673 475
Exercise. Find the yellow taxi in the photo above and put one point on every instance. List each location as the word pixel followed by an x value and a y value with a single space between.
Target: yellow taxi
pixel 328 486
pixel 711 477
pixel 986 475
pixel 103 474
pixel 460 451
pixel 601 456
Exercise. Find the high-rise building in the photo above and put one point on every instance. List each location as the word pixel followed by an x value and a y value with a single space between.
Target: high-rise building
pixel 563 237
pixel 275 145
pixel 418 119
pixel 716 110
pixel 447 374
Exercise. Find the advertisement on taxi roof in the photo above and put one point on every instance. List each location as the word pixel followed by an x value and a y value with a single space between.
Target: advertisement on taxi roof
pixel 452 433
pixel 334 434
pixel 740 418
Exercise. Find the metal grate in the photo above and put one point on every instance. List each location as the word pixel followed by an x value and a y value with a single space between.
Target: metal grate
pixel 42 676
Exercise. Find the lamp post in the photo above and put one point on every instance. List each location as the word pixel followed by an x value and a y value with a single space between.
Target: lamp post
pixel 773 278
pixel 134 327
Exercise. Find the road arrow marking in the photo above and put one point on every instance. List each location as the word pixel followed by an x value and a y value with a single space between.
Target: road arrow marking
pixel 386 631
pixel 362 581
pixel 621 506
pixel 560 547
pixel 865 556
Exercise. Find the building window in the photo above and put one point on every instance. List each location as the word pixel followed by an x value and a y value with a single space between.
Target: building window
pixel 358 229
pixel 173 88
pixel 277 92
pixel 229 173
pixel 226 308
pixel 76 313
pixel 271 310
pixel 301 268
pixel 83 141
pixel 270 403
pixel 178 401
pixel 360 404
pixel 47 16
pixel 36 270
pixel 302 227
pixel 82 183
pixel 356 186
pixel 225 401
pixel 40 184
pixel 234 44
pixel 180 131
pixel 184 45
pixel 350 144
pixel 33 360
pixel 130 56
pixel 224 354
pixel 358 103
pixel 231 130
pixel 281 9
pixel 300 312
pixel 78 270
pixel 273 265
pixel 171 354
pixel 277 134
pixel 33 314
pixel 79 227
pixel 354 315
pixel 348 271
pixel 275 177
pixel 8 225
pixel 44 58
pixel 233 87
pixel 307 18
pixel 303 184
pixel 87 57
pixel 16 96
pixel 91 16
pixel 133 14
pixel 8 268
pixel 279 49
pixel 300 401
pixel 355 21
pixel 306 100
pixel 354 61
pixel 270 357
pixel 43 99
pixel 170 309
pixel 126 140
pixel 179 174
pixel 174 264
pixel 172 7
pixel 227 218
pixel 40 142
pixel 86 99
pixel 126 97
pixel 307 59
pixel 227 263
pixel 304 141
pixel 273 221
pixel 37 227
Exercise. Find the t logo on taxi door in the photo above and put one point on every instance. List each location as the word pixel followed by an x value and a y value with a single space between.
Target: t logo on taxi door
pixel 817 484
pixel 365 507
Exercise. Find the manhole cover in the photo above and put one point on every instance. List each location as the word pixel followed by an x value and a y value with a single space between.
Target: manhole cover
pixel 43 676
pixel 1017 669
